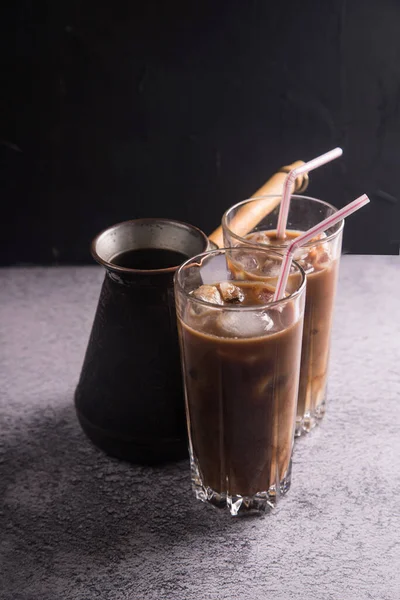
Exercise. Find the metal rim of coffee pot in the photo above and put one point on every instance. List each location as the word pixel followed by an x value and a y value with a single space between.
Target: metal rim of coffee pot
pixel 113 229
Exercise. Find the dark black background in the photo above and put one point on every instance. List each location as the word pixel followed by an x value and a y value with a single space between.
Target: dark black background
pixel 116 110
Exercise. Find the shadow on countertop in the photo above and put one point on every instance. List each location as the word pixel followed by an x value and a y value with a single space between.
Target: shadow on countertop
pixel 65 507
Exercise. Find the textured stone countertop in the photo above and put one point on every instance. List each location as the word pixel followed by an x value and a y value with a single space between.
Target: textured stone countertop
pixel 75 524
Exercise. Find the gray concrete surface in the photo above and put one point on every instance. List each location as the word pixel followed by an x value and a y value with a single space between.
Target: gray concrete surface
pixel 75 524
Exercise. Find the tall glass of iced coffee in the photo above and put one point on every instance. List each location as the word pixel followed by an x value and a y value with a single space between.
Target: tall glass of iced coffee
pixel 240 355
pixel 320 259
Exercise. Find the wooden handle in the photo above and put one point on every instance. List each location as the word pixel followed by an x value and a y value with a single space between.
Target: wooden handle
pixel 251 214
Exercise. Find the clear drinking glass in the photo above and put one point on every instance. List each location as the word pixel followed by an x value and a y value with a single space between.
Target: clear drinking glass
pixel 241 366
pixel 320 260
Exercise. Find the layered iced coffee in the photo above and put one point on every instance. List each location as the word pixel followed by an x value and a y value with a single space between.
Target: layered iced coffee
pixel 241 358
pixel 321 270
pixel 320 260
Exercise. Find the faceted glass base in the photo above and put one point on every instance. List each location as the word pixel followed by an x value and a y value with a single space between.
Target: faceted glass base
pixel 310 419
pixel 261 502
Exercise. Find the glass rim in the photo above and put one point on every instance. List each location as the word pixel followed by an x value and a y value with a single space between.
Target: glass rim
pixel 309 244
pixel 238 307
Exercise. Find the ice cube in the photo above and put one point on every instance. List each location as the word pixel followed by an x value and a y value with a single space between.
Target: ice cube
pixel 244 323
pixel 247 261
pixel 200 316
pixel 230 292
pixel 271 268
pixel 317 258
pixel 265 294
pixel 208 293
pixel 259 237
pixel 323 259
pixel 301 254
pixel 306 265
pixel 197 311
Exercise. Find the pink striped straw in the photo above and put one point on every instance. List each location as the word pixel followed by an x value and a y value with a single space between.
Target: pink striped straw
pixel 291 178
pixel 308 235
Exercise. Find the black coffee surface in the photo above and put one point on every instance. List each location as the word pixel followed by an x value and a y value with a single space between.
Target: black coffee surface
pixel 149 258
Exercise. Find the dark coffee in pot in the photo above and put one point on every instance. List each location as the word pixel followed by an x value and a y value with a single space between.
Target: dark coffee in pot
pixel 149 258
